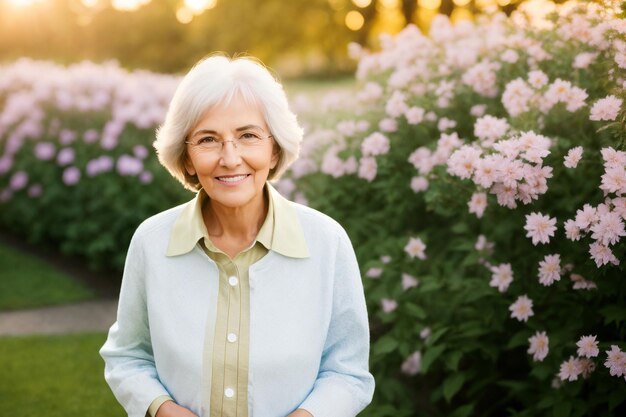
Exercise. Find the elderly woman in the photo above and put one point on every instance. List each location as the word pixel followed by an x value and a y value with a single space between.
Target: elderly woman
pixel 238 303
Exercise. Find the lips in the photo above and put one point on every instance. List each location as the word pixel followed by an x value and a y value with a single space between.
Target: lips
pixel 232 178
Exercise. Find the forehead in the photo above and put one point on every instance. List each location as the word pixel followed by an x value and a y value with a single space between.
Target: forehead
pixel 230 115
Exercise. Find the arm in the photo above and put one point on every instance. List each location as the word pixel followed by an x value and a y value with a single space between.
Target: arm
pixel 129 362
pixel 344 385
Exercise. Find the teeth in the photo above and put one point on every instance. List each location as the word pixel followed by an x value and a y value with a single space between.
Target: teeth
pixel 232 179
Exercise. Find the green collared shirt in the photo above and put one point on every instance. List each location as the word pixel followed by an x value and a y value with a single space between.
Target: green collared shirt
pixel 229 359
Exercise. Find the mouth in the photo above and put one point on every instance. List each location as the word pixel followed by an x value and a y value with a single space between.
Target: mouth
pixel 232 179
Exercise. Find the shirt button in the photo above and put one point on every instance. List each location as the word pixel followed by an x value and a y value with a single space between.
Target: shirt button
pixel 233 281
pixel 229 392
pixel 232 337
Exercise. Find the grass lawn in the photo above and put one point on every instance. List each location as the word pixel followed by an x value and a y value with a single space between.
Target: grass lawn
pixel 26 281
pixel 55 376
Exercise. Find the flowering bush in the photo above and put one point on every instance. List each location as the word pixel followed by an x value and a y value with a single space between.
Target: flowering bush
pixel 481 172
pixel 75 169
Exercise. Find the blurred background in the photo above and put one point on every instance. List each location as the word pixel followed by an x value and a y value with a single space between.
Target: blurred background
pixel 296 37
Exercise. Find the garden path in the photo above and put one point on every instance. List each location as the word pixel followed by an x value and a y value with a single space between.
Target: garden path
pixel 87 316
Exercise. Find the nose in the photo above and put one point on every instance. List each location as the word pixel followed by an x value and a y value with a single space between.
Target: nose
pixel 229 156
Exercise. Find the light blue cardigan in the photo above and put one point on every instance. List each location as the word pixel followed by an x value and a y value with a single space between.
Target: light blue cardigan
pixel 309 335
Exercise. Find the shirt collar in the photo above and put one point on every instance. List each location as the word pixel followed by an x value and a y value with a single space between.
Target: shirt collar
pixel 280 232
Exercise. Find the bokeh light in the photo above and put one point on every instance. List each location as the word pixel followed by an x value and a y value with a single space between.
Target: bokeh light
pixel 361 3
pixel 184 15
pixel 199 6
pixel 429 4
pixel 461 3
pixel 354 20
pixel 22 3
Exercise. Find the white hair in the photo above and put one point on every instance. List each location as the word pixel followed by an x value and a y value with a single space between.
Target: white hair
pixel 216 80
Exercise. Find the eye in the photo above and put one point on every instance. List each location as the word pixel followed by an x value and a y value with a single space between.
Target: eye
pixel 249 136
pixel 207 139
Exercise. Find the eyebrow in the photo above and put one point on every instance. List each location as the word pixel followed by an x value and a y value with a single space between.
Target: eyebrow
pixel 239 129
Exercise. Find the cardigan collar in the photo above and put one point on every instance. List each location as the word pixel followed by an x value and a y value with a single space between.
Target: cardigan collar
pixel 280 232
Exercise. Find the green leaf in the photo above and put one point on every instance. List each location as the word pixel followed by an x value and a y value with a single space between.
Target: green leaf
pixel 453 360
pixel 519 339
pixel 385 345
pixel 415 310
pixel 613 313
pixel 430 355
pixel 436 335
pixel 463 411
pixel 452 385
pixel 563 409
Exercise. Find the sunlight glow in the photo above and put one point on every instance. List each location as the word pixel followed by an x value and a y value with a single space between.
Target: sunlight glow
pixel 199 6
pixel 461 3
pixel 362 3
pixel 128 5
pixel 429 4
pixel 22 3
pixel 354 20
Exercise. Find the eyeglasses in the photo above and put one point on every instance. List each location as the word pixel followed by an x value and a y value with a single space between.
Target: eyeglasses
pixel 245 141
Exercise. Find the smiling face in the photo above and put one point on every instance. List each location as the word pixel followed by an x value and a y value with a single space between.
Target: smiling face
pixel 232 177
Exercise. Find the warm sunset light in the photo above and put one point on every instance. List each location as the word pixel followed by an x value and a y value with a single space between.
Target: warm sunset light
pixel 22 3
pixel 354 20
pixel 429 4
pixel 362 3
pixel 184 15
pixel 461 3
pixel 128 5
pixel 199 6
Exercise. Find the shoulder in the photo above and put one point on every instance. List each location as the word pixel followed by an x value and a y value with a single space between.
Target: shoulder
pixel 316 223
pixel 160 224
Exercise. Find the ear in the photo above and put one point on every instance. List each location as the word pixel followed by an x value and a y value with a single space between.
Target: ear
pixel 189 166
pixel 275 156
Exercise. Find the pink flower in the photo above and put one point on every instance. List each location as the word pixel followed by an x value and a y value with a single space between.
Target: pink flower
pixel 586 366
pixel 444 124
pixel 489 129
pixel 425 333
pixel 478 110
pixel 609 229
pixel 368 168
pixel 602 255
pixel 550 269
pixel 129 166
pixel 509 56
pixel 586 217
pixel 415 248
pixel 67 136
pixel 537 79
pixel 388 125
pixel 516 97
pixel 572 232
pixel 374 272
pixel 502 276
pixel 539 346
pixel 71 176
pixel 6 162
pixel 584 59
pixel 389 305
pixel 375 144
pixel 396 105
pixel 482 244
pixel 66 156
pixel 539 227
pixel 606 108
pixel 614 180
pixel 522 308
pixel 35 190
pixel 90 136
pixel 588 347
pixel 44 151
pixel 414 115
pixel 616 361
pixel 570 370
pixel 613 158
pixel 580 283
pixel 140 151
pixel 409 281
pixel 478 204
pixel 412 364
pixel 18 180
pixel 419 184
pixel 462 162
pixel 575 99
pixel 573 156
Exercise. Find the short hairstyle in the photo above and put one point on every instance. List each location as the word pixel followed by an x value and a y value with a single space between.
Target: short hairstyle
pixel 216 80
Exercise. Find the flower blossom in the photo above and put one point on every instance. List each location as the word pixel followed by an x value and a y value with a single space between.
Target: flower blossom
pixel 501 277
pixel 412 364
pixel 540 227
pixel 415 248
pixel 368 168
pixel 606 108
pixel 573 156
pixel 375 144
pixel 374 272
pixel 580 283
pixel 588 347
pixel 419 184
pixel 489 129
pixel 550 269
pixel 71 176
pixel 18 180
pixel 609 229
pixel 602 255
pixel 409 281
pixel 388 305
pixel 539 346
pixel 570 369
pixel 616 361
pixel 522 308
pixel 478 204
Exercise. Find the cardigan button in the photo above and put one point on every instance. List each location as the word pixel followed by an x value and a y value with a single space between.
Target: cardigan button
pixel 233 281
pixel 232 337
pixel 229 392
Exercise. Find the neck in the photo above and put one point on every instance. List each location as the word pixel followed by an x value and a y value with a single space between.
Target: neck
pixel 241 224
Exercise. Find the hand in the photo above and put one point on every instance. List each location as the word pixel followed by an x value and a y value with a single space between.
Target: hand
pixel 300 412
pixel 171 409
